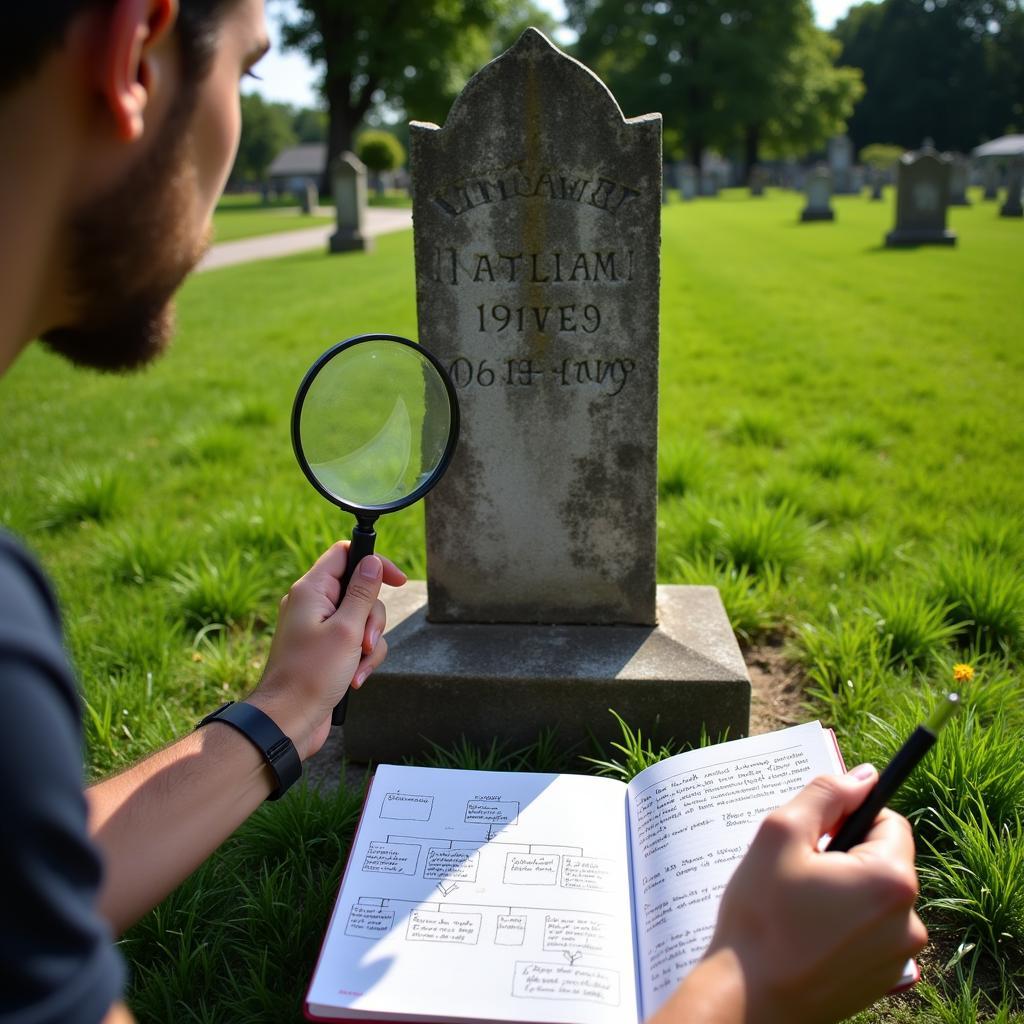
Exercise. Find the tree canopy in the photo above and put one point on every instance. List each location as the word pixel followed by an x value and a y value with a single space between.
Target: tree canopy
pixel 723 73
pixel 267 128
pixel 413 58
pixel 949 69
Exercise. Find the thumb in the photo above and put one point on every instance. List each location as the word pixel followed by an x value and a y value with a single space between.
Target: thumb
pixel 359 596
pixel 826 800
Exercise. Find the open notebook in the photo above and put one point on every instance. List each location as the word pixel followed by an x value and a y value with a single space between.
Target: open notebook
pixel 513 896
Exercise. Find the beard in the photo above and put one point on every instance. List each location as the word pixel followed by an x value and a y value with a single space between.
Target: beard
pixel 129 251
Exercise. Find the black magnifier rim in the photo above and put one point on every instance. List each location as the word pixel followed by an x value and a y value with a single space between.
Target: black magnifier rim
pixel 367 511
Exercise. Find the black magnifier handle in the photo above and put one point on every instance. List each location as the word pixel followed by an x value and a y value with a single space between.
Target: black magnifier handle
pixel 363 538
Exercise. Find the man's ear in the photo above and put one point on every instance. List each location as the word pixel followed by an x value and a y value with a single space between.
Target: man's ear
pixel 129 59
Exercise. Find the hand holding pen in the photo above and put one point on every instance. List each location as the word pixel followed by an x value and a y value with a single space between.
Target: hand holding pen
pixel 906 759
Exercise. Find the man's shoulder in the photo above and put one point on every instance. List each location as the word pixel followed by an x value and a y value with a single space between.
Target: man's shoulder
pixel 24 590
pixel 30 627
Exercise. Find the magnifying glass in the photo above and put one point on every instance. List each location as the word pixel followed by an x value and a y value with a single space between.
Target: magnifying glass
pixel 374 426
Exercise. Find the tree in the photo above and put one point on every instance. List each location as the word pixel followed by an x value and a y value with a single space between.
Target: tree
pixel 948 69
pixel 724 73
pixel 381 152
pixel 809 99
pixel 266 130
pixel 310 125
pixel 413 57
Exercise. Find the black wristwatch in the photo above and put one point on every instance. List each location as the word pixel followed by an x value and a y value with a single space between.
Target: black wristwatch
pixel 262 731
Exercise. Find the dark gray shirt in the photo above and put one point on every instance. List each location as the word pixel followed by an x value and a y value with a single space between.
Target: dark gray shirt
pixel 57 959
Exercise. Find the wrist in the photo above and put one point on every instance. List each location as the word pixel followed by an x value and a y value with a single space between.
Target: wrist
pixel 286 717
pixel 259 729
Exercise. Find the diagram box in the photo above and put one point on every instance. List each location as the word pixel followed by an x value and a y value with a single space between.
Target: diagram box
pixel 492 812
pixel 511 930
pixel 369 922
pixel 577 933
pixel 434 926
pixel 407 807
pixel 565 981
pixel 531 868
pixel 392 858
pixel 455 865
pixel 591 873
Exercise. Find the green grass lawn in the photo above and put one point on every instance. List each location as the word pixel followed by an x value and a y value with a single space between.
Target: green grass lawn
pixel 840 452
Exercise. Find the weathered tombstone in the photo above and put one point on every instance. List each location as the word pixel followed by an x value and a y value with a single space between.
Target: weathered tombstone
pixel 687 181
pixel 309 197
pixel 922 196
pixel 991 179
pixel 877 183
pixel 757 178
pixel 1014 185
pixel 857 179
pixel 819 196
pixel 840 163
pixel 536 213
pixel 348 180
pixel 709 184
pixel 959 175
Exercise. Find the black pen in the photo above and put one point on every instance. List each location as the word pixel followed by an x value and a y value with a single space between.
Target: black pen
pixel 906 759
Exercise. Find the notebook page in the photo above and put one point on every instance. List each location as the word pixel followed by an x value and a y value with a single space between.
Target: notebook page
pixel 484 896
pixel 692 817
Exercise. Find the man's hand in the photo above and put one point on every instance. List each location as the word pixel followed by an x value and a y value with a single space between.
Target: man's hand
pixel 805 936
pixel 320 648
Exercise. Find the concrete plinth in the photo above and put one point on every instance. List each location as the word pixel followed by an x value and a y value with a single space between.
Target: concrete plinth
pixel 899 237
pixel 445 681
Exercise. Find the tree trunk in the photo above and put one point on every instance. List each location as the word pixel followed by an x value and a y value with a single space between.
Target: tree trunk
pixel 751 150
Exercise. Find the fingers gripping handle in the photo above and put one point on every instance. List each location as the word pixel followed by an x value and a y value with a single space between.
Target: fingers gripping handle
pixel 363 538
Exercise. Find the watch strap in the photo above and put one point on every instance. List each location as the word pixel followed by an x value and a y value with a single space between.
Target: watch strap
pixel 262 731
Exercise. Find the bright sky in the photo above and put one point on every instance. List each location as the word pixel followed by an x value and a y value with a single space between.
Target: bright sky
pixel 288 78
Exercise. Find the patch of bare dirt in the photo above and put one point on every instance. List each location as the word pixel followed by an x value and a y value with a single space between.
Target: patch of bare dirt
pixel 777 688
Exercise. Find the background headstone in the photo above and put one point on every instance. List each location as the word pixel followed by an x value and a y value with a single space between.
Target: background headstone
pixel 877 183
pixel 536 213
pixel 922 197
pixel 348 182
pixel 840 163
pixel 819 196
pixel 990 175
pixel 309 197
pixel 757 180
pixel 1014 185
pixel 959 176
pixel 687 181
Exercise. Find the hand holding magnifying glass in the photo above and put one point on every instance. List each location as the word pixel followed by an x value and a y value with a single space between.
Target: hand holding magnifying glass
pixel 374 426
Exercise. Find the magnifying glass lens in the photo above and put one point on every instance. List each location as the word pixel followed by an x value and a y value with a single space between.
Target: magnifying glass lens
pixel 375 423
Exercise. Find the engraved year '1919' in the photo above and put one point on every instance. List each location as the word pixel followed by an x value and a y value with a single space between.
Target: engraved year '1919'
pixel 543 319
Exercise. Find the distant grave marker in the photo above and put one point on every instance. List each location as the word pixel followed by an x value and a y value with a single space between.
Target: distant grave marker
pixel 1014 186
pixel 922 197
pixel 819 196
pixel 959 177
pixel 348 182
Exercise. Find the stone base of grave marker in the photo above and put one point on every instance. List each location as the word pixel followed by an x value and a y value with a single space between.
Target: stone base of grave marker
pixel 445 681
pixel 902 237
pixel 812 214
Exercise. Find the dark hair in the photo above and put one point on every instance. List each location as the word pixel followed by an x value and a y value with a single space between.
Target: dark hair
pixel 33 29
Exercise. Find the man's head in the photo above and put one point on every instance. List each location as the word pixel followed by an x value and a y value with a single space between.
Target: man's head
pixel 152 117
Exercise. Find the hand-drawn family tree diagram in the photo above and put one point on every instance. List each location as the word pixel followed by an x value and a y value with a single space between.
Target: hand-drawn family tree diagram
pixel 494 874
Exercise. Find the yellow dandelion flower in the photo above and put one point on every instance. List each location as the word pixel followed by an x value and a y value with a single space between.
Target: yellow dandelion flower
pixel 963 673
